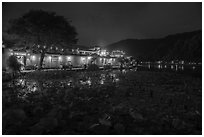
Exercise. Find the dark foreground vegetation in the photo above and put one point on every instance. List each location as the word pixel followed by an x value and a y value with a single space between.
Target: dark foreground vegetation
pixel 103 102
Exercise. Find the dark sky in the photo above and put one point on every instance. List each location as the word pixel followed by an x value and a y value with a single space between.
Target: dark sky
pixel 105 23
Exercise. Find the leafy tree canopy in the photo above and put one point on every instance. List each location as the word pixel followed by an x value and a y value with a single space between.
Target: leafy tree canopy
pixel 39 29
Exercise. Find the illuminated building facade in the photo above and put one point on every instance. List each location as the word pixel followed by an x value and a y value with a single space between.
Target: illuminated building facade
pixel 75 58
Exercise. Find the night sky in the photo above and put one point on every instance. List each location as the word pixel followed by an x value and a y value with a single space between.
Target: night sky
pixel 105 23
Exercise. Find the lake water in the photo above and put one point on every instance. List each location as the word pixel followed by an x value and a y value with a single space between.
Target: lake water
pixel 100 78
pixel 76 80
pixel 194 70
pixel 85 79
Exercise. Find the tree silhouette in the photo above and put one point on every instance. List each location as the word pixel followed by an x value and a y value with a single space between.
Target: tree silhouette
pixel 41 31
pixel 14 65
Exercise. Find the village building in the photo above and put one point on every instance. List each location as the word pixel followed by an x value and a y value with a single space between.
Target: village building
pixel 75 57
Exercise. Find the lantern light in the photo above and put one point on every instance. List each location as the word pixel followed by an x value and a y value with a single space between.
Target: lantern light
pixel 33 57
pixel 60 58
pixel 68 58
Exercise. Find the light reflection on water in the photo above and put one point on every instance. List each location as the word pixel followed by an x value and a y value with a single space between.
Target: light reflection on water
pixel 27 87
pixel 79 80
pixel 170 67
pixel 102 79
pixel 88 79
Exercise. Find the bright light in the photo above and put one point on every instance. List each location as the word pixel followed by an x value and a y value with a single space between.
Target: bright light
pixel 20 53
pixel 68 58
pixel 110 60
pixel 117 79
pixel 50 57
pixel 44 47
pixel 33 57
pixel 35 89
pixel 56 48
pixel 82 58
pixel 103 52
pixel 89 81
pixel 60 58
pixel 89 57
pixel 50 47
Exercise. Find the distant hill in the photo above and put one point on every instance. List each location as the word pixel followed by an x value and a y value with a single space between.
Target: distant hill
pixel 184 46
